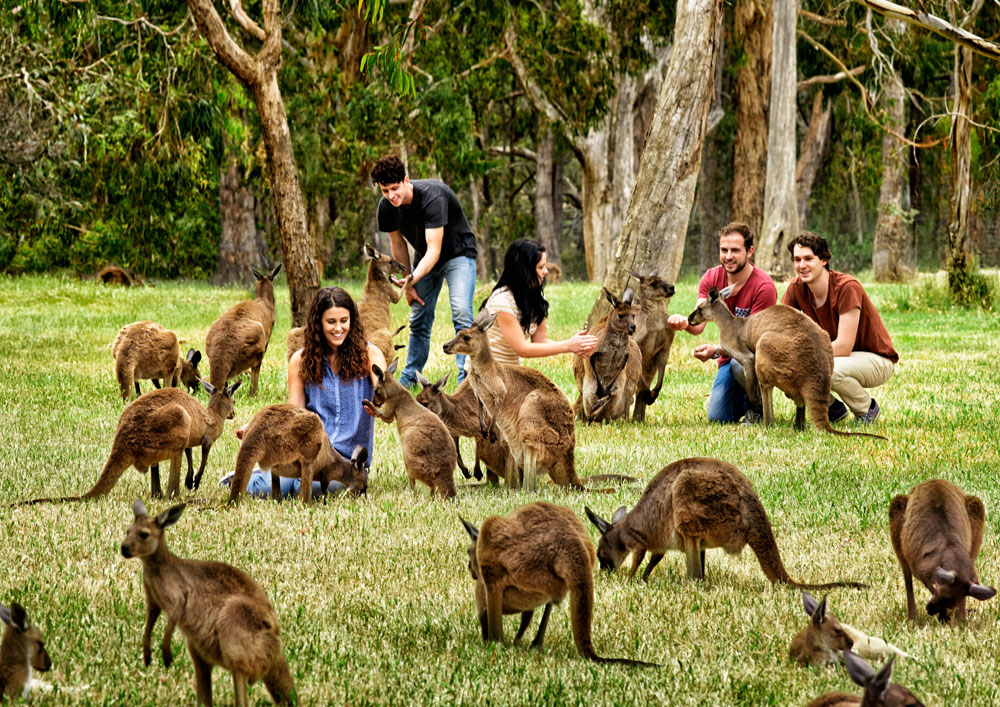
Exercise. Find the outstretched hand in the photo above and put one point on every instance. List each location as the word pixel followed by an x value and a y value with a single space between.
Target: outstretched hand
pixel 677 322
pixel 582 343
pixel 704 352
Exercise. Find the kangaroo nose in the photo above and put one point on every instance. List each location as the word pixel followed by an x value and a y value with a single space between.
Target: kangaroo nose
pixel 126 552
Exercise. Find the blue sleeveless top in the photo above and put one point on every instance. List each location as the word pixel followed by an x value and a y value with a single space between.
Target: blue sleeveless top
pixel 338 404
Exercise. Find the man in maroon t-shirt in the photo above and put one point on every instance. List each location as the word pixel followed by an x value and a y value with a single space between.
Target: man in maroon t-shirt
pixel 753 291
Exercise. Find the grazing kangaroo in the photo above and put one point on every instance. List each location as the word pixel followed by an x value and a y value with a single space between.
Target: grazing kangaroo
pixel 160 425
pixel 879 692
pixel 429 453
pixel 292 442
pixel 535 556
pixel 936 532
pixel 224 615
pixel 238 339
pixel 823 641
pixel 145 350
pixel 693 505
pixel 607 381
pixel 21 653
pixel 114 275
pixel 782 348
pixel 654 337
pixel 377 295
pixel 534 417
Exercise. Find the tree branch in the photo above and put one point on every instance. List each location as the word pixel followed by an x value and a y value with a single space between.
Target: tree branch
pixel 829 78
pixel 242 64
pixel 245 22
pixel 924 20
pixel 514 151
pixel 533 91
pixel 270 53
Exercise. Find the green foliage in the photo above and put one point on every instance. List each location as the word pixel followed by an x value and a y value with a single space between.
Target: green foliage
pixel 970 288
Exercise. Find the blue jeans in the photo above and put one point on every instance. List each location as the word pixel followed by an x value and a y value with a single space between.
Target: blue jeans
pixel 460 272
pixel 259 486
pixel 728 401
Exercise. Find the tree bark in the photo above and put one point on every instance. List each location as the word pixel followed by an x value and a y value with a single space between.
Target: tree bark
pixel 814 148
pixel 781 216
pixel 240 244
pixel 660 207
pixel 545 216
pixel 924 20
pixel 959 252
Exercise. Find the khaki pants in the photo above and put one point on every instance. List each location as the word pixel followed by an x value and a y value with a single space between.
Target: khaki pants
pixel 852 374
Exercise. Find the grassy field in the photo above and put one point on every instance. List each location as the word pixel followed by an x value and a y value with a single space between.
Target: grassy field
pixel 373 594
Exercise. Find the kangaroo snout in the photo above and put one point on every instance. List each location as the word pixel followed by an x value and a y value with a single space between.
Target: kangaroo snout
pixel 126 553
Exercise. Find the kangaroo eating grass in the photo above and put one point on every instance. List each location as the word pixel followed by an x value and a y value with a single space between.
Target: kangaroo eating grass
pixel 21 653
pixel 222 612
pixel 693 505
pixel 533 557
pixel 879 692
pixel 782 348
pixel 936 532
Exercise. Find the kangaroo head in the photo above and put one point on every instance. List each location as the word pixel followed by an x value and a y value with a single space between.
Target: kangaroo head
pixel 264 287
pixel 611 550
pixel 473 532
pixel 710 308
pixel 949 588
pixel 382 263
pixel 190 375
pixel 221 402
pixel 357 482
pixel 145 536
pixel 622 317
pixel 879 691
pixel 826 640
pixel 386 392
pixel 472 340
pixel 26 636
pixel 430 394
pixel 653 287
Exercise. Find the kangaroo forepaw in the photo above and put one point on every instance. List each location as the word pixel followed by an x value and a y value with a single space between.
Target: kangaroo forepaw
pixel 168 658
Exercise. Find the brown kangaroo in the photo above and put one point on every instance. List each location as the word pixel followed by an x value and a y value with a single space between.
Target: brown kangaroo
pixel 535 556
pixel 21 652
pixel 607 381
pixel 936 532
pixel 823 641
pixel 238 339
pixel 693 505
pixel 377 295
pixel 160 425
pixel 114 275
pixel 429 453
pixel 654 337
pixel 782 348
pixel 879 692
pixel 145 350
pixel 292 442
pixel 534 417
pixel 224 615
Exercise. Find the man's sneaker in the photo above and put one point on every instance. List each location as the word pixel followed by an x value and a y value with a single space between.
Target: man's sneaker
pixel 752 417
pixel 838 411
pixel 869 417
pixel 227 480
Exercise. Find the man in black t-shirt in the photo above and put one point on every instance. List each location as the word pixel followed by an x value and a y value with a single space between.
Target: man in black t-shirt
pixel 426 214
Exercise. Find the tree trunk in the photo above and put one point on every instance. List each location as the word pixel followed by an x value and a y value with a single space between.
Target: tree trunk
pixel 814 148
pixel 546 230
pixel 752 28
pixel 319 224
pixel 959 252
pixel 709 214
pixel 480 226
pixel 660 207
pixel 240 244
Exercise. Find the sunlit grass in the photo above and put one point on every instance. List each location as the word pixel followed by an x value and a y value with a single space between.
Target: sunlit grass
pixel 374 596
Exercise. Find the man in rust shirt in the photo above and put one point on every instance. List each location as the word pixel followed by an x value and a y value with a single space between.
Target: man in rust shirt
pixel 863 356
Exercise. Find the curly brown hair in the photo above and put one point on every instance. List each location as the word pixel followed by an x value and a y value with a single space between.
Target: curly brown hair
pixel 388 170
pixel 352 355
pixel 815 242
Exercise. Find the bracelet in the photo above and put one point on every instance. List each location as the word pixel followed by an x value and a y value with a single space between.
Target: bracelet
pixel 716 354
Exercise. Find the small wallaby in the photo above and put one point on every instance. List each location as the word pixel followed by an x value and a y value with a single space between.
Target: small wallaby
pixel 145 350
pixel 222 612
pixel 377 295
pixel 782 348
pixel 238 339
pixel 555 274
pixel 693 505
pixel 533 557
pixel 936 532
pixel 607 381
pixel 292 442
pixel 654 336
pixel 21 653
pixel 879 692
pixel 429 453
pixel 822 642
pixel 158 425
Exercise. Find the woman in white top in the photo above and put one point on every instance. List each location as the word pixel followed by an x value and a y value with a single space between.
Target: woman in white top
pixel 521 309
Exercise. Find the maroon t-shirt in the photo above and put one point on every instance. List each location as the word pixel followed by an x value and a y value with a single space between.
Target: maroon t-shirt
pixel 758 293
pixel 845 293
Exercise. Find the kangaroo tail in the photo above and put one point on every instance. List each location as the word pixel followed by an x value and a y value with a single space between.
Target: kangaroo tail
pixel 821 419
pixel 830 585
pixel 581 616
pixel 36 501
pixel 830 429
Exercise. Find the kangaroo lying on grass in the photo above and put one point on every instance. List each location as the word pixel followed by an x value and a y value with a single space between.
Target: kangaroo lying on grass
pixel 224 615
pixel 654 337
pixel 936 532
pixel 782 348
pixel 692 505
pixel 145 350
pixel 823 641
pixel 535 556
pixel 21 652
pixel 879 692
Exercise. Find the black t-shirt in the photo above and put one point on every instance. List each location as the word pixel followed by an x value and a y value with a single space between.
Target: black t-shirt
pixel 434 205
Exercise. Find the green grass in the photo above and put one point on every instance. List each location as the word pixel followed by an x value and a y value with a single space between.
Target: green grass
pixel 373 595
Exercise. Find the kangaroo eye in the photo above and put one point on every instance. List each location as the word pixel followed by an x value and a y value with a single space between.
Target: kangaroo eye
pixel 143 535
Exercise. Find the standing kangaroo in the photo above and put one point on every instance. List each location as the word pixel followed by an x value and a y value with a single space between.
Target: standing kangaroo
pixel 534 417
pixel 782 348
pixel 823 641
pixel 224 615
pixel 879 692
pixel 654 336
pixel 936 532
pixel 377 295
pixel 21 652
pixel 693 505
pixel 535 556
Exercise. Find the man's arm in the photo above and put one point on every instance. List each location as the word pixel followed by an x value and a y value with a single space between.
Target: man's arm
pixel 434 238
pixel 399 251
pixel 847 332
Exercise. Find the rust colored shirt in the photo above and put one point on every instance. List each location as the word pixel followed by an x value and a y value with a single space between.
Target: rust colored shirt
pixel 757 294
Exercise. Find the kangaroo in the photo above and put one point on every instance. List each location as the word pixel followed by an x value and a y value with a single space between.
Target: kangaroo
pixel 533 557
pixel 377 295
pixel 238 339
pixel 224 615
pixel 555 274
pixel 21 653
pixel 190 375
pixel 147 350
pixel 693 505
pixel 292 442
pixel 879 692
pixel 654 337
pixel 114 275
pixel 534 417
pixel 822 641
pixel 160 425
pixel 936 532
pixel 607 381
pixel 429 453
pixel 782 348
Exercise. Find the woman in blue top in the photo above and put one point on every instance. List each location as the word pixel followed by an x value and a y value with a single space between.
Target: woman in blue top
pixel 331 375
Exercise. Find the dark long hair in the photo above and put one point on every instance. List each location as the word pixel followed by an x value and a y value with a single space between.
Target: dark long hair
pixel 520 277
pixel 352 355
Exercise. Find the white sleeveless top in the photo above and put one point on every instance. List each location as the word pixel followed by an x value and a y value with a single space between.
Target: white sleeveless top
pixel 502 300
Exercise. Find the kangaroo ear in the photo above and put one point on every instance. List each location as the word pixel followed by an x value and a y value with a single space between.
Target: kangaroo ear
pixel 423 381
pixel 724 294
pixel 371 252
pixel 378 372
pixel 18 616
pixel 256 273
pixel 879 685
pixel 170 516
pixel 490 321
pixel 634 274
pixel 441 382
pixel 5 615
pixel 231 390
pixel 819 613
pixel 619 515
pixel 274 273
pixel 943 576
pixel 393 365
pixel 359 456
pixel 713 294
pixel 609 297
pixel 628 296
pixel 139 509
pixel 809 603
pixel 857 668
pixel 602 525
pixel 209 388
pixel 978 591
pixel 472 530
